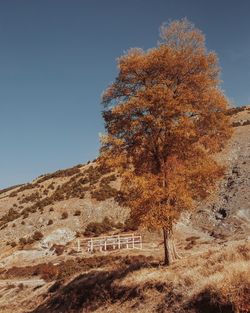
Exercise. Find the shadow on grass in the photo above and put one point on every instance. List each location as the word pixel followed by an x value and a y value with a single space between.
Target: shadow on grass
pixel 92 290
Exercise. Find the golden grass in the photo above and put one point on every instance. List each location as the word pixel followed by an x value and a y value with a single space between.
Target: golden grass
pixel 222 276
pixel 217 281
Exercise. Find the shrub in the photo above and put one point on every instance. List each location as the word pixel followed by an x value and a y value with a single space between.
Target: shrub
pixel 77 213
pixel 13 194
pixel 107 223
pixel 9 189
pixel 22 241
pixel 51 186
pixel 25 215
pixel 31 198
pixel 247 122
pixel 50 222
pixel 107 179
pixel 10 216
pixel 13 244
pixel 65 215
pixel 37 235
pixel 104 192
pixel 130 224
pixel 233 111
pixel 58 249
pixel 96 228
pixel 119 225
pixel 48 271
pixel 236 124
pixel 78 234
pixel 29 240
pixel 93 229
pixel 61 173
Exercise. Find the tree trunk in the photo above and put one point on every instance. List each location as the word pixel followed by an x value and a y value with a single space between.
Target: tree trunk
pixel 170 253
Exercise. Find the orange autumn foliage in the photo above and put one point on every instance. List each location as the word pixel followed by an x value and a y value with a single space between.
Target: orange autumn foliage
pixel 165 118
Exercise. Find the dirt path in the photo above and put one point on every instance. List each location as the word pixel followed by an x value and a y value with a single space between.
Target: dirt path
pixel 26 282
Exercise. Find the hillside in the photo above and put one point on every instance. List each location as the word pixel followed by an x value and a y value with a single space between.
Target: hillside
pixel 40 221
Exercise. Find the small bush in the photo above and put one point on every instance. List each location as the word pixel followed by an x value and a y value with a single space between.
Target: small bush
pixel 65 215
pixel 58 249
pixel 119 225
pixel 247 122
pixel 104 192
pixel 37 235
pixel 13 194
pixel 236 124
pixel 77 213
pixel 31 198
pixel 107 223
pixel 25 215
pixel 93 229
pixel 78 234
pixel 47 271
pixel 96 228
pixel 50 222
pixel 22 241
pixel 10 216
pixel 10 286
pixel 130 224
pixel 21 286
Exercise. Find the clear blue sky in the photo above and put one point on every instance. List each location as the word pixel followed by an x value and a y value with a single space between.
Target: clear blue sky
pixel 57 57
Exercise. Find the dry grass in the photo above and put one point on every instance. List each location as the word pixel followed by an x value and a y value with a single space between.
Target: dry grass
pixel 217 281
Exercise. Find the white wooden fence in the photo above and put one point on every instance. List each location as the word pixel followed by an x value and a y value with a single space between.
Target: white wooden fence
pixel 127 241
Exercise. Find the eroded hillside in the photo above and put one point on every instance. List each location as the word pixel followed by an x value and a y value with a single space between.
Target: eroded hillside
pixel 227 214
pixel 40 222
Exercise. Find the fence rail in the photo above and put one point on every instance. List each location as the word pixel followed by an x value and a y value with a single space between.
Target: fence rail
pixel 123 241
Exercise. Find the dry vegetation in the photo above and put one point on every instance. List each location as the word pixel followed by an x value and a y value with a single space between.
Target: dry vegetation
pixel 212 281
pixel 95 181
pixel 217 281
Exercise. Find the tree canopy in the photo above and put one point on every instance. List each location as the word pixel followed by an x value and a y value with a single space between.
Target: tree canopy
pixel 165 118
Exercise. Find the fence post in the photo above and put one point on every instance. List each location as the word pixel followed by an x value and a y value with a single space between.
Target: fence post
pixel 91 245
pixel 78 245
pixel 119 242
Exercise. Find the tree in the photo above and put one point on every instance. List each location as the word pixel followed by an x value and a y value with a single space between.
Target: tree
pixel 165 118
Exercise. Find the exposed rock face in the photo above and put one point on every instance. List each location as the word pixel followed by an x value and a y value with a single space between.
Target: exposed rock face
pixel 228 213
pixel 60 236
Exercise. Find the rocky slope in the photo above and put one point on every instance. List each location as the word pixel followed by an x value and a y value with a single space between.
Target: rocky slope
pixel 228 213
pixel 58 205
pixel 61 204
pixel 40 221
